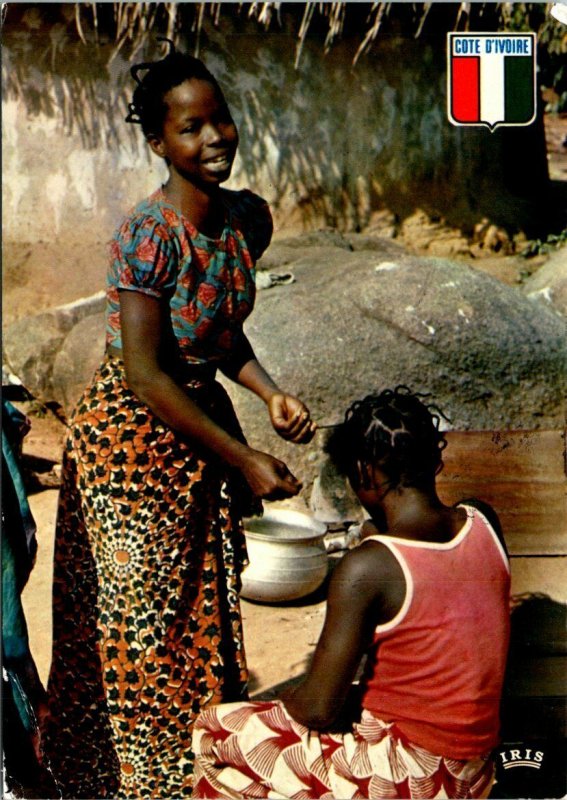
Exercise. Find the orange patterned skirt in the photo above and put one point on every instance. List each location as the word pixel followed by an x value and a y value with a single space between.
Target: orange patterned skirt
pixel 147 626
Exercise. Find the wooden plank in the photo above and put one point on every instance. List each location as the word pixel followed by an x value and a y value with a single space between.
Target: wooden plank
pixel 535 544
pixel 533 516
pixel 521 474
pixel 533 456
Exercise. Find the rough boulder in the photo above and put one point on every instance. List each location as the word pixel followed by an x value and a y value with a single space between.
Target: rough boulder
pixel 356 322
pixel 360 315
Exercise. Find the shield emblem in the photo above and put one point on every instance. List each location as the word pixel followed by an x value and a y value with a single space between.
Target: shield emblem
pixel 491 79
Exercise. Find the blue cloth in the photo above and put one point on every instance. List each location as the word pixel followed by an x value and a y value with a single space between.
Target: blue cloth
pixel 19 546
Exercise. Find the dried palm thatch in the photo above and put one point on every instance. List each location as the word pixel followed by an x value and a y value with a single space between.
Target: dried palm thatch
pixel 128 27
pixel 134 23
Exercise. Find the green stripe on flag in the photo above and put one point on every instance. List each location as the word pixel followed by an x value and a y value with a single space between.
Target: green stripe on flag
pixel 518 88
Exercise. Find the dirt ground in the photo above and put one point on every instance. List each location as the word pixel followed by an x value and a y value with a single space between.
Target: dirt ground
pixel 279 639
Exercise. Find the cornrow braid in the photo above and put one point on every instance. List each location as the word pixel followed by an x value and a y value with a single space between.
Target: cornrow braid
pixel 148 107
pixel 394 431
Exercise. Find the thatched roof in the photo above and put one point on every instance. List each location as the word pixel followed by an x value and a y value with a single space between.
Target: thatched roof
pixel 133 22
pixel 130 25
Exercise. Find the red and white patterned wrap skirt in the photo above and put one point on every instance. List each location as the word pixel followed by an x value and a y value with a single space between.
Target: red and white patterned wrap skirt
pixel 255 749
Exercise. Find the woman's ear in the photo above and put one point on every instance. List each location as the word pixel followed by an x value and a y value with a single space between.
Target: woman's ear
pixel 365 475
pixel 156 144
pixel 371 478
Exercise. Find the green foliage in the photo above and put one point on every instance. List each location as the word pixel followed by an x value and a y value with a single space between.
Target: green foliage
pixel 552 59
pixel 537 247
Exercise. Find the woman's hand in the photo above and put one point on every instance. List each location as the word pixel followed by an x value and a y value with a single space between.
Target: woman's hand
pixel 268 477
pixel 290 418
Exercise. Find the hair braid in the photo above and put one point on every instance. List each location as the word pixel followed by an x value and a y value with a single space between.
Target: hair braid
pixel 148 107
pixel 393 430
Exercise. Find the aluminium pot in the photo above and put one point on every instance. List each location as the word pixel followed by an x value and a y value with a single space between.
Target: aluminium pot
pixel 287 556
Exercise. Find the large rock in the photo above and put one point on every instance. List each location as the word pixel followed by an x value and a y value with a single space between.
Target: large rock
pixel 327 247
pixel 79 356
pixel 30 345
pixel 549 284
pixel 332 500
pixel 353 323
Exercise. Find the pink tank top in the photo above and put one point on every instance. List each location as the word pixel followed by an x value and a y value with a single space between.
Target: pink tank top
pixel 436 670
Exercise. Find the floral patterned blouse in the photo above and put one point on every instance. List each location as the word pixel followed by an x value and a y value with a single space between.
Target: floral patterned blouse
pixel 208 283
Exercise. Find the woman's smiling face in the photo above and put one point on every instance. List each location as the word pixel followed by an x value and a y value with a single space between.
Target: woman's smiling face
pixel 199 137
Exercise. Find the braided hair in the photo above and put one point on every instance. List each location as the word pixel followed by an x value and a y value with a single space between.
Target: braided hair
pixel 394 431
pixel 148 107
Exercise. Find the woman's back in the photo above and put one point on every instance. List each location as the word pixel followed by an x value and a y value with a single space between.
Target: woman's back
pixel 427 601
pixel 436 669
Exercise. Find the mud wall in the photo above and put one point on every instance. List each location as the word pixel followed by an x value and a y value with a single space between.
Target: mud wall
pixel 327 143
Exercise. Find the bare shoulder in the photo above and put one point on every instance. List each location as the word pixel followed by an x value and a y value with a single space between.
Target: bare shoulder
pixel 369 556
pixel 489 514
pixel 368 573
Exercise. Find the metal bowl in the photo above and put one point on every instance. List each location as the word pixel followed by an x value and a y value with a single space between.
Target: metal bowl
pixel 287 556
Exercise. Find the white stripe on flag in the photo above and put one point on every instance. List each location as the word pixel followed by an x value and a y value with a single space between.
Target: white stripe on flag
pixel 492 107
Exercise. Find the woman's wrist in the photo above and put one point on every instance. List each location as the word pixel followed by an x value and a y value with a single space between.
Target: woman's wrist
pixel 266 388
pixel 255 378
pixel 269 393
pixel 236 454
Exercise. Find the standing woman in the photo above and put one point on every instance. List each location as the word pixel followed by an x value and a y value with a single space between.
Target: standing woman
pixel 157 474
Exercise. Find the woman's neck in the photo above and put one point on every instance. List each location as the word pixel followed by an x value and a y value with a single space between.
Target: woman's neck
pixel 412 513
pixel 202 207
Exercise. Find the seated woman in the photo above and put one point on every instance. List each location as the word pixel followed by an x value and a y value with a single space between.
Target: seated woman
pixel 425 596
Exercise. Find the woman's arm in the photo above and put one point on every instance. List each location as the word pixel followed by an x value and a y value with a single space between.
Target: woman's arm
pixel 290 417
pixel 364 591
pixel 143 320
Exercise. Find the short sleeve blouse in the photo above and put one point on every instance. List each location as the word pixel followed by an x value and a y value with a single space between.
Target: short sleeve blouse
pixel 207 283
